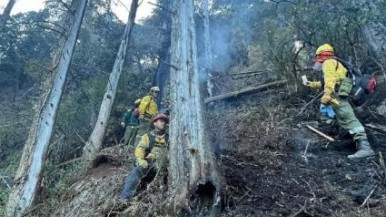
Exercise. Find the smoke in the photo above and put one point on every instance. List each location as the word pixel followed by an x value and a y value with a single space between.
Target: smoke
pixel 231 30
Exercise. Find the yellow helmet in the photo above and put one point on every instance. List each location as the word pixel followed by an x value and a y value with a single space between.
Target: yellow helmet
pixel 137 101
pixel 155 89
pixel 324 48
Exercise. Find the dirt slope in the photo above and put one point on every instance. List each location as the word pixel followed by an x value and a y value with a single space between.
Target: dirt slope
pixel 269 168
pixel 269 173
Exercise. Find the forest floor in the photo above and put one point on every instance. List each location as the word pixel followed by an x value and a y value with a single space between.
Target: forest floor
pixel 272 165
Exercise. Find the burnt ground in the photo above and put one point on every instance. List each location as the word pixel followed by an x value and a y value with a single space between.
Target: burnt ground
pixel 269 172
pixel 268 168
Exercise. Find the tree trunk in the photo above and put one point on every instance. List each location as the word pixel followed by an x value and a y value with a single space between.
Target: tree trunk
pixel 162 78
pixel 7 11
pixel 193 176
pixel 34 154
pixel 94 142
pixel 208 48
pixel 375 35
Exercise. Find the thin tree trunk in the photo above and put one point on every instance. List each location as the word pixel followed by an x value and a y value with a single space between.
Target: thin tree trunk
pixel 34 154
pixel 208 48
pixel 7 12
pixel 193 176
pixel 94 142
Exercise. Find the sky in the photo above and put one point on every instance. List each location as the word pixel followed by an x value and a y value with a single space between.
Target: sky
pixel 119 7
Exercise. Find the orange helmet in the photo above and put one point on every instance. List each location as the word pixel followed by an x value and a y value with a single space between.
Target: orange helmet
pixel 160 116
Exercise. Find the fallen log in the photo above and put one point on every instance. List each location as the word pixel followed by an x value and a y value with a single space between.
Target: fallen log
pixel 245 73
pixel 321 134
pixel 249 90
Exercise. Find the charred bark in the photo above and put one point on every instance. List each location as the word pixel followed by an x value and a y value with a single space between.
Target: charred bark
pixel 194 181
pixel 162 77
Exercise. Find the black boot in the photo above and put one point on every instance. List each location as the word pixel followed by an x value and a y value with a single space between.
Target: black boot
pixel 364 150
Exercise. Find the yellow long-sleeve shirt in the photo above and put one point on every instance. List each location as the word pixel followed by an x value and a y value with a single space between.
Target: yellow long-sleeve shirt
pixel 160 143
pixel 148 106
pixel 334 72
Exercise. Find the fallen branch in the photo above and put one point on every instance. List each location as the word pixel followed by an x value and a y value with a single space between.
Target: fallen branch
pixel 301 210
pixel 81 138
pixel 382 164
pixel 313 99
pixel 249 90
pixel 368 197
pixel 245 73
pixel 25 93
pixel 321 134
pixel 377 127
pixel 5 182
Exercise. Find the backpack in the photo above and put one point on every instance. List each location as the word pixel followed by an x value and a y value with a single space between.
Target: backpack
pixel 363 84
pixel 152 142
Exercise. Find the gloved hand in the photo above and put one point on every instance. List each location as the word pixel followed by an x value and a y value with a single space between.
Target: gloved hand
pixel 334 102
pixel 141 117
pixel 314 84
pixel 326 99
pixel 142 163
pixel 151 156
pixel 123 124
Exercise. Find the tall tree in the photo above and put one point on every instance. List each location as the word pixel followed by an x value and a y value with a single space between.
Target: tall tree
pixel 162 77
pixel 94 142
pixel 208 63
pixel 193 172
pixel 30 169
pixel 7 11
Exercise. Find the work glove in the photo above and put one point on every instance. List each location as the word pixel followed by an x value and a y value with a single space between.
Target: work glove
pixel 123 124
pixel 151 156
pixel 334 102
pixel 314 84
pixel 326 99
pixel 142 163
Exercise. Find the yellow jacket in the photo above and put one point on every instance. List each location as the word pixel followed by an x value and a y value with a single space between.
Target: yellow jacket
pixel 160 145
pixel 148 106
pixel 333 72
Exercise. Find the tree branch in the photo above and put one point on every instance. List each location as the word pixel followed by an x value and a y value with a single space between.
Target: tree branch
pixel 163 8
pixel 5 182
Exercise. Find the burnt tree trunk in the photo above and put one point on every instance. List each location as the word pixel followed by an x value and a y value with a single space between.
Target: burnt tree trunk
pixel 193 174
pixel 162 77
pixel 29 173
pixel 94 142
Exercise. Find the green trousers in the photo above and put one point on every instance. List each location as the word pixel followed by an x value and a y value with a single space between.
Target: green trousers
pixel 346 119
pixel 130 135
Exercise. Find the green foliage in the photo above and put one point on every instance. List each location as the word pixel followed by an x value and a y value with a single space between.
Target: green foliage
pixel 8 167
pixel 56 183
